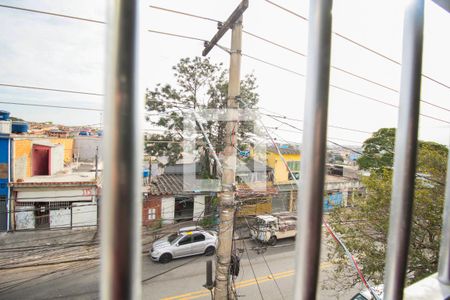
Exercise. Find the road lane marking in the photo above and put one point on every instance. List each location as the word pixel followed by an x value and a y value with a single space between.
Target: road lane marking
pixel 243 284
pixel 240 282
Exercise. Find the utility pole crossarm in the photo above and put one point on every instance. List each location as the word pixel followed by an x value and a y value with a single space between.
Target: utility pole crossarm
pixel 233 18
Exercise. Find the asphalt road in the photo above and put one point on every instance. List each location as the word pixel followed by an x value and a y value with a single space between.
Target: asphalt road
pixel 179 279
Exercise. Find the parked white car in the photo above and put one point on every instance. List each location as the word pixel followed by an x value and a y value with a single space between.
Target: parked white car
pixel 187 241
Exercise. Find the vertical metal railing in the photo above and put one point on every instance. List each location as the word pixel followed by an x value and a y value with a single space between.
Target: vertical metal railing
pixel 120 227
pixel 405 152
pixel 313 150
pixel 444 251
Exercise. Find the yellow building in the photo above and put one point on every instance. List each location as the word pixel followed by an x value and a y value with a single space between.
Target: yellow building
pixel 22 148
pixel 281 173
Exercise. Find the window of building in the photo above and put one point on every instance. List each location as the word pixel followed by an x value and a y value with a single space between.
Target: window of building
pixel 294 165
pixel 151 213
pixel 296 175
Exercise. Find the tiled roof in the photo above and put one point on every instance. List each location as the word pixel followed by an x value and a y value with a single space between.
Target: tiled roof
pixel 172 184
pixel 167 184
pixel 284 150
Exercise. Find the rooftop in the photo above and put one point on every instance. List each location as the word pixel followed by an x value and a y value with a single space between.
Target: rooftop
pixel 284 149
pixel 84 178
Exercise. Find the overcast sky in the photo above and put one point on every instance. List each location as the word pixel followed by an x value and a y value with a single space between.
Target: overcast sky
pixel 48 51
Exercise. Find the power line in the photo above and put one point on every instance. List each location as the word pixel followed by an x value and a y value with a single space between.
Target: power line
pixel 361 153
pixel 357 43
pixel 52 14
pixel 177 35
pixel 274 43
pixel 51 106
pixel 184 13
pixel 273 65
pixel 297 52
pixel 299 120
pixel 287 10
pixel 253 271
pixel 50 89
pixel 330 138
pixel 302 75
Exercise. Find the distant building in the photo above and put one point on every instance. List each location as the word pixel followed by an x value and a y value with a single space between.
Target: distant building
pixel 284 181
pixel 292 156
pixel 63 200
pixel 166 202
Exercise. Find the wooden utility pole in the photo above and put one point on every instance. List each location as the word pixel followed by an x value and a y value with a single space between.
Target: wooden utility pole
pixel 223 289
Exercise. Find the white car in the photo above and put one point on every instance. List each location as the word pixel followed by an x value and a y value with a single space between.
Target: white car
pixel 187 241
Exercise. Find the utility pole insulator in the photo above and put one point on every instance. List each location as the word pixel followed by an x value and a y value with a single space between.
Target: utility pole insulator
pixel 232 19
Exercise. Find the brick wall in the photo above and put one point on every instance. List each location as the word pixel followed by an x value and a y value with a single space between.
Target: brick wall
pixel 151 202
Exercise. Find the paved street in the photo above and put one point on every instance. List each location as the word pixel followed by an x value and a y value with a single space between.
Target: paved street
pixel 179 279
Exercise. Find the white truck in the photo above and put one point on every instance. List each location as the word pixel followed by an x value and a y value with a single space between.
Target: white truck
pixel 271 228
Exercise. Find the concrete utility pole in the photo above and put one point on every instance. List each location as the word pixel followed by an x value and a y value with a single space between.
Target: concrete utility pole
pixel 223 289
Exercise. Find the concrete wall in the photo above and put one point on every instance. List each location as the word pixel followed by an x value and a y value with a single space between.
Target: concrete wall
pixel 57 159
pixel 60 217
pixel 51 194
pixel 345 186
pixel 68 147
pixel 22 158
pixel 85 147
pixel 24 217
pixel 168 210
pixel 199 207
pixel 84 214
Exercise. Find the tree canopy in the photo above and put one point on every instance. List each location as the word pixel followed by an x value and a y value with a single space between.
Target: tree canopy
pixel 200 84
pixel 364 227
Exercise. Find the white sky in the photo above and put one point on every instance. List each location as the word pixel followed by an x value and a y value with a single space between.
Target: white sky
pixel 41 50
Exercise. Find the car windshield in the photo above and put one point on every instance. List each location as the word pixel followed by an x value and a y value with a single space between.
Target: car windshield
pixel 171 238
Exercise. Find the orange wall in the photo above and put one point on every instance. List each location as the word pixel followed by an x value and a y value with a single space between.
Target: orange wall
pixel 22 156
pixel 68 147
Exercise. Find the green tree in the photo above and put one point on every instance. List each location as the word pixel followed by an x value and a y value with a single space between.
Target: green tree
pixel 364 227
pixel 378 150
pixel 200 84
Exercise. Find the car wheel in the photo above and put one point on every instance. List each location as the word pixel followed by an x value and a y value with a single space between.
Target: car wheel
pixel 272 241
pixel 165 258
pixel 210 251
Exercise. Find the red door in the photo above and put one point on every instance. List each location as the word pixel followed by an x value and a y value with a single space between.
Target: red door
pixel 40 160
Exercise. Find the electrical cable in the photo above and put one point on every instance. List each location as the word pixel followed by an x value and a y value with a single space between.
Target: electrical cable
pixel 302 75
pixel 330 138
pixel 299 120
pixel 184 13
pixel 253 271
pixel 51 106
pixel 177 35
pixel 52 14
pixel 357 43
pixel 171 269
pixel 297 52
pixel 274 279
pixel 50 89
